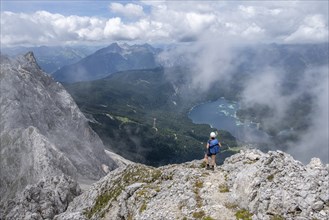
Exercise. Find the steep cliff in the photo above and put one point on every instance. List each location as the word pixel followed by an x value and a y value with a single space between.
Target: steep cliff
pixel 43 133
pixel 275 185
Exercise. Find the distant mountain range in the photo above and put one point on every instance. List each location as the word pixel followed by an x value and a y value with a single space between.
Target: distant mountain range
pixel 52 58
pixel 109 60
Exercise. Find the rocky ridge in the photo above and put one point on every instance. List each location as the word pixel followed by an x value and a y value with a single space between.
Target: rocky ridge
pixel 43 134
pixel 141 192
pixel 275 185
pixel 251 184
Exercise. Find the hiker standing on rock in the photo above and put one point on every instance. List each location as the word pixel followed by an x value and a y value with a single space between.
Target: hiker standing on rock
pixel 212 149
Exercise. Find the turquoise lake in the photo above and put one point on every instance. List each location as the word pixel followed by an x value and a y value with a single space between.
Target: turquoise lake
pixel 221 114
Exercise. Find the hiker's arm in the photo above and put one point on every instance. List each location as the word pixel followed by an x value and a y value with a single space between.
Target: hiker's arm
pixel 207 145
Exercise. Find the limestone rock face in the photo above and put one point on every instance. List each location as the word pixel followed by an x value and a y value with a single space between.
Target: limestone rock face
pixel 141 192
pixel 42 131
pixel 43 200
pixel 275 184
pixel 262 186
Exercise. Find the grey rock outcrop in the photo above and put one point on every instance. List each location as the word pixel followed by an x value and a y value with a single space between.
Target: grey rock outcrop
pixel 275 184
pixel 141 192
pixel 43 132
pixel 250 183
pixel 43 200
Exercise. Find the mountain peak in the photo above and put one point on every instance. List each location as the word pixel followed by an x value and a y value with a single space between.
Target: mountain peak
pixel 108 60
pixel 29 56
pixel 29 63
pixel 114 47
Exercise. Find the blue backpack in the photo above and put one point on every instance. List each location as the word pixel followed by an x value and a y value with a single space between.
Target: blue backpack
pixel 213 146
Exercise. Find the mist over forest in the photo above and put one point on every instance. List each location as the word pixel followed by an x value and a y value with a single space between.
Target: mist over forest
pixel 270 57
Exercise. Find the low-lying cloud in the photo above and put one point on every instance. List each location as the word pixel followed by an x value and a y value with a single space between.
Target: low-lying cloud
pixel 315 142
pixel 264 89
pixel 267 83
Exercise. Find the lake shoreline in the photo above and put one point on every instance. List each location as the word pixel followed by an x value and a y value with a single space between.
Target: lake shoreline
pixel 221 114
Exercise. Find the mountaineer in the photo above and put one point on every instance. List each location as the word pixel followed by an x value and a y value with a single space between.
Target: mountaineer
pixel 211 151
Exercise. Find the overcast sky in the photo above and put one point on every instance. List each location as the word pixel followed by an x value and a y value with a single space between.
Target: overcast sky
pixel 88 22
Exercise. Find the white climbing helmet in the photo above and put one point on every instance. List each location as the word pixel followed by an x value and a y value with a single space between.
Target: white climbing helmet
pixel 213 134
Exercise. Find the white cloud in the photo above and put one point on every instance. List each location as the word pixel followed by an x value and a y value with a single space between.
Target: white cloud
pixel 167 21
pixel 45 28
pixel 313 29
pixel 129 10
pixel 117 30
pixel 248 11
pixel 198 22
pixel 253 29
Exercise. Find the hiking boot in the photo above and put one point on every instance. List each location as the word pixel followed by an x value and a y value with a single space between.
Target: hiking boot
pixel 208 167
pixel 212 168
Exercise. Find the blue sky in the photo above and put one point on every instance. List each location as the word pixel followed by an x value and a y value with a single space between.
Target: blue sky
pixel 89 22
pixel 78 7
